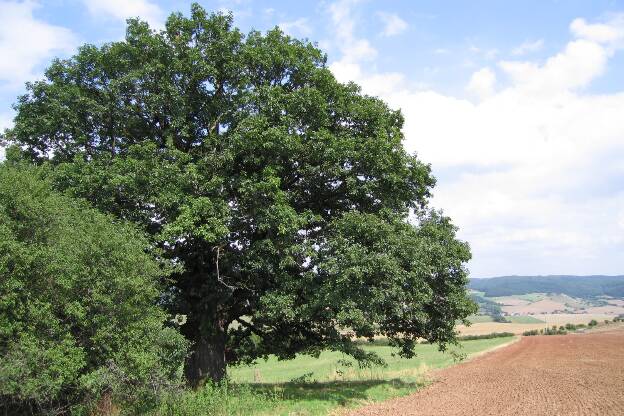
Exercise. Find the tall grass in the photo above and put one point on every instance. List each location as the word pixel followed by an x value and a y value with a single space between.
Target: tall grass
pixel 222 399
pixel 315 386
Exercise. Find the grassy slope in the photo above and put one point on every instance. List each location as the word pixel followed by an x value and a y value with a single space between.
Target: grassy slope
pixel 330 385
pixel 476 319
pixel 524 320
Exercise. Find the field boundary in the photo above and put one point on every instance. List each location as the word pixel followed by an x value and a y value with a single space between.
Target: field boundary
pixel 472 356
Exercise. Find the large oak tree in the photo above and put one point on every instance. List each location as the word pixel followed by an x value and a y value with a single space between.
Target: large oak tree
pixel 285 198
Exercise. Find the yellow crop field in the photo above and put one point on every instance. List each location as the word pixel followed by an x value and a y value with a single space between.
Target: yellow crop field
pixel 518 328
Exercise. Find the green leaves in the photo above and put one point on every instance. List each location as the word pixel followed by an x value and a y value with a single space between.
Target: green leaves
pixel 202 219
pixel 78 294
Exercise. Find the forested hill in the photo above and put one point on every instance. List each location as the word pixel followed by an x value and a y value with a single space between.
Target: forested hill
pixel 575 286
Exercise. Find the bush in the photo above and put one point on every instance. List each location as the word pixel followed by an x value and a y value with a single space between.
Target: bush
pixel 78 314
pixel 593 322
pixel 485 336
pixel 547 331
pixel 554 331
pixel 500 318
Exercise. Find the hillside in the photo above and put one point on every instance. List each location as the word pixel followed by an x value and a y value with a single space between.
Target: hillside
pixel 575 286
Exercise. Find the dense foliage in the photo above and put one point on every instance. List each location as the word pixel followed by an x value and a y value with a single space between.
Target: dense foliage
pixel 488 307
pixel 283 195
pixel 78 319
pixel 575 286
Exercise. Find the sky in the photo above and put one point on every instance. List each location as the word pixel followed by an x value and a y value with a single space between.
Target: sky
pixel 517 105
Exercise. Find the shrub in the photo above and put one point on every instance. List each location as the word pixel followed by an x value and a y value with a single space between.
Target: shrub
pixel 485 336
pixel 78 313
pixel 554 331
pixel 500 318
pixel 547 331
pixel 593 322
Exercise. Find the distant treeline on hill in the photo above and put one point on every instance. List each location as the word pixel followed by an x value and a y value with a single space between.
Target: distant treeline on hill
pixel 575 286
pixel 488 307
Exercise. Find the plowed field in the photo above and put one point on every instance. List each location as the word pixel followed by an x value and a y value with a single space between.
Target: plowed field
pixel 572 375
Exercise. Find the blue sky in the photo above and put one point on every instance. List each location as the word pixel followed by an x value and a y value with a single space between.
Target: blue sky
pixel 518 106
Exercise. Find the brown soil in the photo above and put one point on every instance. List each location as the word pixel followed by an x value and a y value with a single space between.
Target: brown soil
pixel 576 375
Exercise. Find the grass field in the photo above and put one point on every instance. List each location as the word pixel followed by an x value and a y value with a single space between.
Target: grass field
pixel 476 319
pixel 524 320
pixel 311 386
pixel 480 319
pixel 529 297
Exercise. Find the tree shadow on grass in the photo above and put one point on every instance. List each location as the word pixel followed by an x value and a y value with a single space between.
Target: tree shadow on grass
pixel 339 393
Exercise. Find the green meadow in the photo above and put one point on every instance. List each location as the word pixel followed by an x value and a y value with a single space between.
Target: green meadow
pixel 525 319
pixel 316 386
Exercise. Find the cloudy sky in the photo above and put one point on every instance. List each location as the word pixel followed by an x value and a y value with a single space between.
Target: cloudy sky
pixel 518 106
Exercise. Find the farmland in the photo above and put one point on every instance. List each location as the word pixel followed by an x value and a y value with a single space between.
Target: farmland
pixel 579 374
pixel 316 386
pixel 515 304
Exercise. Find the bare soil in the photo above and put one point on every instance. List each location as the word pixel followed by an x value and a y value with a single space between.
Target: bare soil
pixel 575 374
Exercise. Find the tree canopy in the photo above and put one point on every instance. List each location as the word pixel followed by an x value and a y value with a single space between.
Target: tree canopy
pixel 286 198
pixel 78 313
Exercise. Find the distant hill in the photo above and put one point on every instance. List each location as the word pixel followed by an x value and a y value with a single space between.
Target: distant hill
pixel 575 286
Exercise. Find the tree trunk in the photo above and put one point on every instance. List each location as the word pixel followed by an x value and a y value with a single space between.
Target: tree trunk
pixel 207 360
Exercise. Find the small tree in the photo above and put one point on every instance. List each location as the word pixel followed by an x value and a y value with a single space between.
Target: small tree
pixel 283 195
pixel 78 317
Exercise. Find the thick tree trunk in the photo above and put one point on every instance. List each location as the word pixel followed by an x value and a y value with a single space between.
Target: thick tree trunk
pixel 207 360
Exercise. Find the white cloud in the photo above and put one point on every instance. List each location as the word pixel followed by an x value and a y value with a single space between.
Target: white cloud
pixel 532 173
pixel 482 83
pixel 576 66
pixel 353 49
pixel 27 42
pixel 125 9
pixel 528 47
pixel 488 54
pixel 393 24
pixel 297 27
pixel 609 32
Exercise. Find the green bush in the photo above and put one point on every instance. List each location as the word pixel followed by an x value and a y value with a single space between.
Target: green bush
pixel 593 322
pixel 78 313
pixel 485 336
pixel 554 331
pixel 547 331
